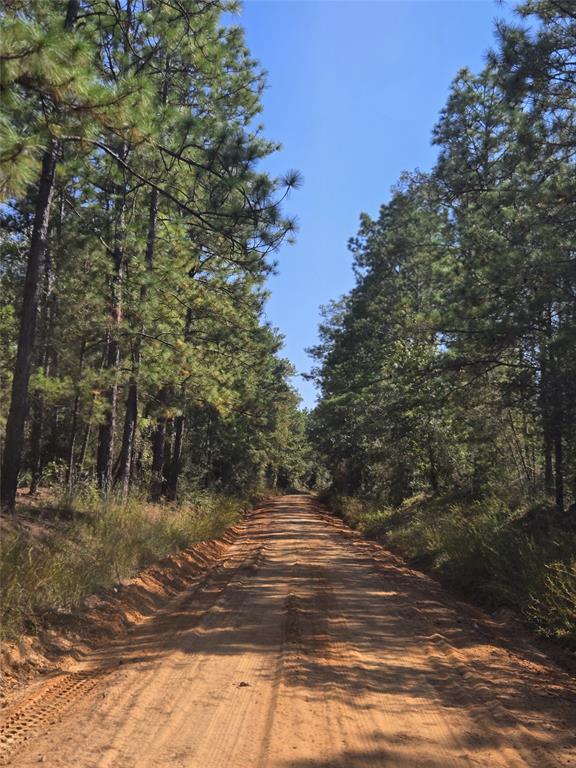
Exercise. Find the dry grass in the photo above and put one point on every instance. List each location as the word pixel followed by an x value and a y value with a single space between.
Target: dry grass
pixel 92 546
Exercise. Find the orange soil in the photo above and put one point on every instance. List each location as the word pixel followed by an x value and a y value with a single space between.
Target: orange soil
pixel 110 614
pixel 303 646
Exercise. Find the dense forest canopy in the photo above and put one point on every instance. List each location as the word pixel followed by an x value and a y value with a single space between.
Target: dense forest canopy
pixel 138 232
pixel 451 365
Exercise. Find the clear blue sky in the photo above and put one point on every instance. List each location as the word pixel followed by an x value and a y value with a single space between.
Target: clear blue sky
pixel 354 89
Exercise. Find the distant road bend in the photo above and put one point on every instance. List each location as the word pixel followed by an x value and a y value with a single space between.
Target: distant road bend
pixel 307 647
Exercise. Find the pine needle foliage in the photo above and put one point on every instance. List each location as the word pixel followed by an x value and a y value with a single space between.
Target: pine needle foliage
pixel 139 231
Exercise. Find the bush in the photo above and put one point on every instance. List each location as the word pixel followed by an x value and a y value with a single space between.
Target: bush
pixel 552 607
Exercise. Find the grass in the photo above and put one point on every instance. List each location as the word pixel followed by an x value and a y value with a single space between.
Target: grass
pixel 497 557
pixel 95 547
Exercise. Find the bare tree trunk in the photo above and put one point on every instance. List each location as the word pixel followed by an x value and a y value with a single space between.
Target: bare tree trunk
pixel 36 441
pixel 106 432
pixel 128 438
pixel 70 467
pixel 131 415
pixel 558 462
pixel 14 441
pixel 548 467
pixel 105 453
pixel 176 459
pixel 84 447
pixel 167 455
pixel 158 447
pixel 433 474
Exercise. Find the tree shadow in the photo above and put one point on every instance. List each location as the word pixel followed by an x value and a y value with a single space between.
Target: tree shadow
pixel 358 626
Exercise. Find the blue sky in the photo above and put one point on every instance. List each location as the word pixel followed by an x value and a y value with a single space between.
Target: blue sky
pixel 354 89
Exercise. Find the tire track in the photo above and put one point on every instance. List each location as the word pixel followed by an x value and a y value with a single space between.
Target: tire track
pixel 40 710
pixel 49 702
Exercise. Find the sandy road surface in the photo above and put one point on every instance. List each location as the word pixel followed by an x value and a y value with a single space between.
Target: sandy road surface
pixel 307 647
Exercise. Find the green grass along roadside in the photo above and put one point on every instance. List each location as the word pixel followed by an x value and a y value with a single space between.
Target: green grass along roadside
pixel 481 550
pixel 86 547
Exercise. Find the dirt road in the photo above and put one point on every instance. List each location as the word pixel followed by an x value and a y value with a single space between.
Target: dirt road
pixel 306 647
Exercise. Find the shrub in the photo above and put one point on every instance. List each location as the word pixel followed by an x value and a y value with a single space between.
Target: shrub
pixel 552 607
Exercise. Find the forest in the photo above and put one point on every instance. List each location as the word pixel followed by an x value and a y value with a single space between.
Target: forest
pixel 138 232
pixel 448 373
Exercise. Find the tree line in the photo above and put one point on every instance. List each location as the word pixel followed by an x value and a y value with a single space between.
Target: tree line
pixel 138 231
pixel 450 367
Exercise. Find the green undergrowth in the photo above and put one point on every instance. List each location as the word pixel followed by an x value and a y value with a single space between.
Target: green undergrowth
pixel 92 546
pixel 520 560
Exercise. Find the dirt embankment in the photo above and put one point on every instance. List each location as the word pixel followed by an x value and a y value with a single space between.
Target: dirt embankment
pixel 110 614
pixel 302 645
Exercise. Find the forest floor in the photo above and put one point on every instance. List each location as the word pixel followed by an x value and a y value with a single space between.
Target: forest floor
pixel 302 645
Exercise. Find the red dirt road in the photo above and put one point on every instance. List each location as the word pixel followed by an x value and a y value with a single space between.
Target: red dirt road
pixel 306 647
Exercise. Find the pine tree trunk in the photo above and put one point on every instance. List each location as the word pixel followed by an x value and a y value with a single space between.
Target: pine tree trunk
pixel 128 439
pixel 556 419
pixel 209 470
pixel 158 444
pixel 45 355
pixel 545 403
pixel 84 448
pixel 559 472
pixel 70 468
pixel 52 448
pixel 124 463
pixel 173 474
pixel 72 11
pixel 14 440
pixel 37 407
pixel 131 415
pixel 558 459
pixel 136 459
pixel 167 455
pixel 107 430
pixel 151 236
pixel 176 459
pixel 433 470
pixel 548 466
pixel 36 439
pixel 547 435
pixel 158 482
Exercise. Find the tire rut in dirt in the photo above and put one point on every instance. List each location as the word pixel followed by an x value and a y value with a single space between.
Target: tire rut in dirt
pixel 42 709
pixel 47 705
